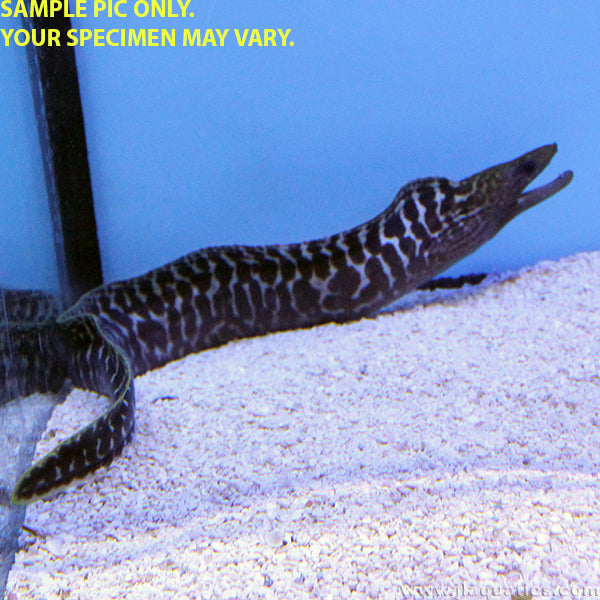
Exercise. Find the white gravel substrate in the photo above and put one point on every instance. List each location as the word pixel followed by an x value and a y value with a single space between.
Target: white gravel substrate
pixel 453 444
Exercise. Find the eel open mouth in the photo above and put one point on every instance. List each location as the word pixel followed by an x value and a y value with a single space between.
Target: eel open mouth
pixel 537 195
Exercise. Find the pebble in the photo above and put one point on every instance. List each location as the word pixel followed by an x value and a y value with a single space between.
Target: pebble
pixel 555 529
pixel 542 538
pixel 274 538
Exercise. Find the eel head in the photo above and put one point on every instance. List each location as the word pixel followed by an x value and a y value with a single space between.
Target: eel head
pixel 503 187
pixel 475 209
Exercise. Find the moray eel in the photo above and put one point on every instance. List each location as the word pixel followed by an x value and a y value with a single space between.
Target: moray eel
pixel 215 295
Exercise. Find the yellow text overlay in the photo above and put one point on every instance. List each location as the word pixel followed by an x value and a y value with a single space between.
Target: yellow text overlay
pixel 147 37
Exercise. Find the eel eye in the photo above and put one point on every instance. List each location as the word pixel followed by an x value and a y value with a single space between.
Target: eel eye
pixel 528 168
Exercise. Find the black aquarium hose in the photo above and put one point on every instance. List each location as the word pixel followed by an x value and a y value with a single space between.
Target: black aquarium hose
pixel 60 122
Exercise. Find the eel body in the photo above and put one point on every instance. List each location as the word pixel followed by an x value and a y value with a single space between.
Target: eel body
pixel 212 296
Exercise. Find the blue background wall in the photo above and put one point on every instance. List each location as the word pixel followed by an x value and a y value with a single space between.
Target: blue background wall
pixel 191 147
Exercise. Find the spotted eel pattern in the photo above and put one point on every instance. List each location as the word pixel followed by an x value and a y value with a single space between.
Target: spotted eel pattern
pixel 212 296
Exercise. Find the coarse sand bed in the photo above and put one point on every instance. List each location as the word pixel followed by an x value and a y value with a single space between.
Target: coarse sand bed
pixel 452 441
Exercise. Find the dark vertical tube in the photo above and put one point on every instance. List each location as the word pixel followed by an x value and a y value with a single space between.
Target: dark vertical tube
pixel 57 102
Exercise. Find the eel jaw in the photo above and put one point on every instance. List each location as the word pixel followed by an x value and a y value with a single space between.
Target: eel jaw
pixel 520 172
pixel 537 195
